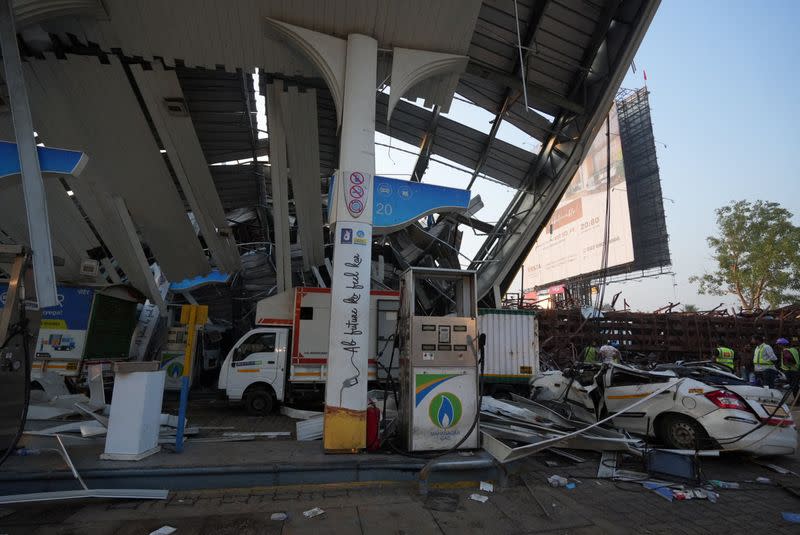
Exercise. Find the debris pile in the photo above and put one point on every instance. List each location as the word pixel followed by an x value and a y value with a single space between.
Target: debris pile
pixel 514 429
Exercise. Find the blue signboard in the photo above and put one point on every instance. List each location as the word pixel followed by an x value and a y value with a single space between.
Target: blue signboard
pixel 51 160
pixel 71 312
pixel 186 285
pixel 397 203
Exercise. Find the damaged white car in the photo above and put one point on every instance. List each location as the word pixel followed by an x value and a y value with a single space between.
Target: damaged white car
pixel 708 409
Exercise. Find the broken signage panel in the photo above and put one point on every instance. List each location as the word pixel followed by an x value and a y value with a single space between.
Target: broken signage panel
pixel 51 160
pixel 397 203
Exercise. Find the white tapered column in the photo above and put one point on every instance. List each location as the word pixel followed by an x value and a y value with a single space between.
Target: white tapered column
pixel 351 231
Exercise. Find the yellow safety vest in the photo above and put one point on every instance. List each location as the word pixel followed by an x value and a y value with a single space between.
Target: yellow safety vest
pixel 792 367
pixel 590 354
pixel 725 356
pixel 758 357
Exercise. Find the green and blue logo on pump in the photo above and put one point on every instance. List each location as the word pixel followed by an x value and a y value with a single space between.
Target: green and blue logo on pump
pixel 445 410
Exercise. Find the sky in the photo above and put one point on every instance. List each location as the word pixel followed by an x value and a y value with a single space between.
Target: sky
pixel 723 82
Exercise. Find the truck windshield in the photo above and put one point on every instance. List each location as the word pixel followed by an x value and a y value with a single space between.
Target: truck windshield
pixel 257 343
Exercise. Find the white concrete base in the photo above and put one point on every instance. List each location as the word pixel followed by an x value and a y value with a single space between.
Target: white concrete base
pixel 129 456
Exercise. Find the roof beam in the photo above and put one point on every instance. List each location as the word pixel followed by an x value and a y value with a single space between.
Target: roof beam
pixel 598 36
pixel 535 91
pixel 503 251
pixel 477 224
pixel 511 95
pixel 426 146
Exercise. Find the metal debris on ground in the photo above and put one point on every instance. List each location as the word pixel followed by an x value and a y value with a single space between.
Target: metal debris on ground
pixel 486 486
pixel 479 498
pixel 299 414
pixel 512 430
pixel 311 513
pixel 723 484
pixel 609 461
pixel 663 491
pixel 85 492
pixel 164 530
pixel 262 434
pixel 774 467
pixel 310 429
pixel 103 494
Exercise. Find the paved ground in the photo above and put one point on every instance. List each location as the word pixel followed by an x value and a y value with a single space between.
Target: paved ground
pixel 595 506
pixel 521 503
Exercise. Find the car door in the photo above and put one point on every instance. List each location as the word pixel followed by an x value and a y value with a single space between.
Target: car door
pixel 255 359
pixel 623 386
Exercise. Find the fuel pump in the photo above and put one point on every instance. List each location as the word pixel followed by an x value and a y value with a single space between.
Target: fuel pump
pixel 438 342
pixel 17 338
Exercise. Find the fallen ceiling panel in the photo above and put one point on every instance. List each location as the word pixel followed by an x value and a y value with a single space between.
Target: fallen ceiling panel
pixel 232 34
pixel 160 90
pixel 302 147
pixel 104 119
pixel 71 236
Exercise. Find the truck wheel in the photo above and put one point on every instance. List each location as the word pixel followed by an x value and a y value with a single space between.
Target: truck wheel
pixel 259 402
pixel 683 433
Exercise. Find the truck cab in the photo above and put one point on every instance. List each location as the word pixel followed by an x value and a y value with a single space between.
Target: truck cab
pixel 254 371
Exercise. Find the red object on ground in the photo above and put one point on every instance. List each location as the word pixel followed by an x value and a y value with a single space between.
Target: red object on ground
pixel 373 419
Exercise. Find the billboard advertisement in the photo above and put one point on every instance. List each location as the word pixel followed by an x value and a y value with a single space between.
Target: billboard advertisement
pixel 571 243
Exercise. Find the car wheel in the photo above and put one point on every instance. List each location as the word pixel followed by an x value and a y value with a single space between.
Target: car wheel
pixel 683 433
pixel 259 402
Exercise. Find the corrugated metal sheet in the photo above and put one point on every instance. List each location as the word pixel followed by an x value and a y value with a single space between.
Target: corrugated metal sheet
pixel 512 342
pixel 81 104
pixel 454 141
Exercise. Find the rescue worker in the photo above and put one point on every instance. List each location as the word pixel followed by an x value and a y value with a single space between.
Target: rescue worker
pixel 725 355
pixel 790 363
pixel 764 360
pixel 610 354
pixel 589 354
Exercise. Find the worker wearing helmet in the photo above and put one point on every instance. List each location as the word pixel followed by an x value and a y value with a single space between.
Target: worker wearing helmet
pixel 764 360
pixel 790 363
pixel 610 353
pixel 725 355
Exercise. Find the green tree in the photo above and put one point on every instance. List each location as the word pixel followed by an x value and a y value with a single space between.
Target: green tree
pixel 757 255
pixel 690 308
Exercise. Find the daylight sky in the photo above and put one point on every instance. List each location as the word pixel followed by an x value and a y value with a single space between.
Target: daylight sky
pixel 723 79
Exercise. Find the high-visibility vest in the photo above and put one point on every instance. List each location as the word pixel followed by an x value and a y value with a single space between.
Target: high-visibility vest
pixel 792 367
pixel 725 356
pixel 758 356
pixel 590 354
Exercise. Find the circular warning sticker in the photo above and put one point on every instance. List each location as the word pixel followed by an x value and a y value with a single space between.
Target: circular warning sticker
pixel 357 191
pixel 355 207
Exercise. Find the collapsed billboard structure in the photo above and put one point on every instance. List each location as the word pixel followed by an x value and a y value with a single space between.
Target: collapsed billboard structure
pixel 610 222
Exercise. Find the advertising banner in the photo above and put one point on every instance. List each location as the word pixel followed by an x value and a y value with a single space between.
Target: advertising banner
pixel 62 332
pixel 572 242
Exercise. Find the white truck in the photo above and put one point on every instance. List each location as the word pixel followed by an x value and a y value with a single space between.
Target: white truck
pixel 285 357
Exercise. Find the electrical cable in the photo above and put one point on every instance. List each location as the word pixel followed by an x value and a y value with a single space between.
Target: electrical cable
pixel 21 329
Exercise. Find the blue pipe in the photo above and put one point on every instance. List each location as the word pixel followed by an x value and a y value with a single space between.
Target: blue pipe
pixel 182 413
